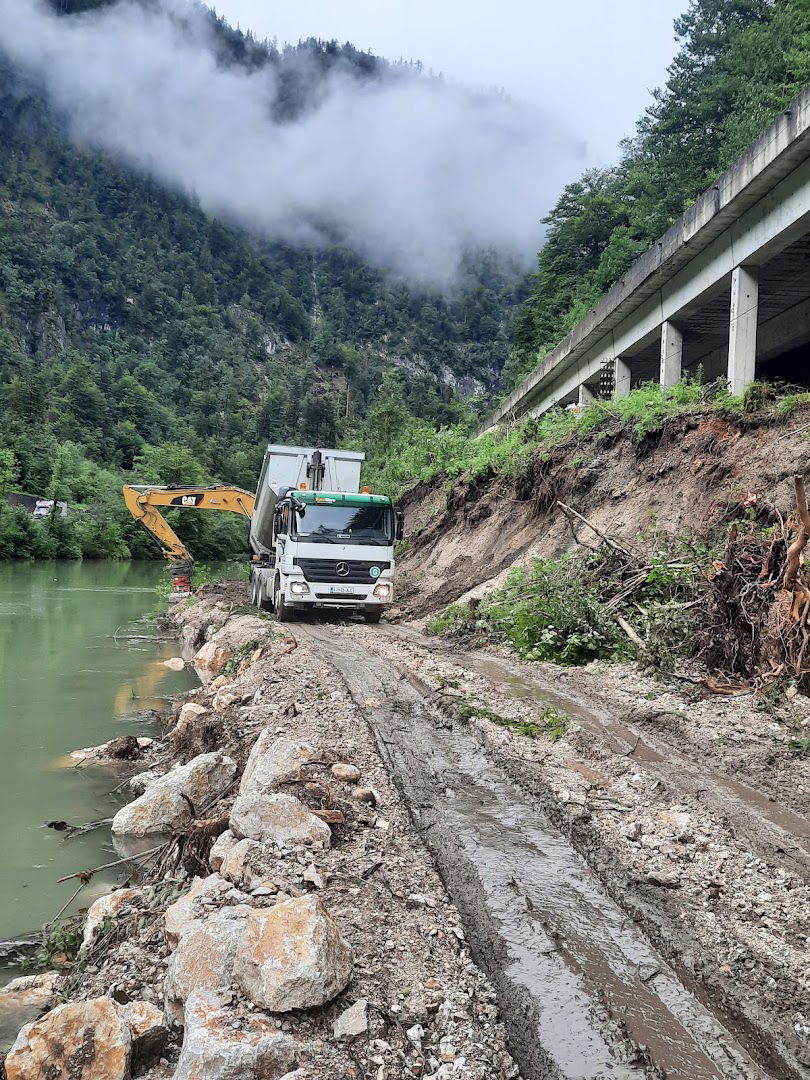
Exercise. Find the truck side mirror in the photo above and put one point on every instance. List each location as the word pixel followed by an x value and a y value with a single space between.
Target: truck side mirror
pixel 399 523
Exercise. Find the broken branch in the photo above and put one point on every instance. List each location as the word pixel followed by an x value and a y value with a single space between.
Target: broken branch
pixel 569 510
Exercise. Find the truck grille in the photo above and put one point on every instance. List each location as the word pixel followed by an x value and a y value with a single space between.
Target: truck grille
pixel 327 570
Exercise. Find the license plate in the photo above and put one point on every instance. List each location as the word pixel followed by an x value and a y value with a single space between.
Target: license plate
pixel 341 589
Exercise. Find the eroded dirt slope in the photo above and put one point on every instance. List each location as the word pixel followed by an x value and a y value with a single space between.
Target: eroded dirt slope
pixel 694 474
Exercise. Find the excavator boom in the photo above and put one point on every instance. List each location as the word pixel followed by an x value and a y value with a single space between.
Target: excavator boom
pixel 143 502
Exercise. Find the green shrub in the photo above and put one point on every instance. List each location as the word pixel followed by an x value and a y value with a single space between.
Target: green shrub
pixel 554 610
pixel 566 610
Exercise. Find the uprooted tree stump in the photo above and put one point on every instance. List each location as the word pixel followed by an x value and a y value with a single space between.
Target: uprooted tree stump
pixel 757 628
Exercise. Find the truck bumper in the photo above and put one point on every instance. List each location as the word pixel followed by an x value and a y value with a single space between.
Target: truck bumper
pixel 338 596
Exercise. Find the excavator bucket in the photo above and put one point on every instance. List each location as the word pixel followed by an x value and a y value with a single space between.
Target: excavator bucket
pixel 181 578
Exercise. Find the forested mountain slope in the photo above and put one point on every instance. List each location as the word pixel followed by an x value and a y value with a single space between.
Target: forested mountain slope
pixel 138 333
pixel 739 63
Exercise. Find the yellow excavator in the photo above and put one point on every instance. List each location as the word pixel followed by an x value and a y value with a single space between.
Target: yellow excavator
pixel 143 501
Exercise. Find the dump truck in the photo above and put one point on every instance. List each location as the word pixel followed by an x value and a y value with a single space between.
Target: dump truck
pixel 316 539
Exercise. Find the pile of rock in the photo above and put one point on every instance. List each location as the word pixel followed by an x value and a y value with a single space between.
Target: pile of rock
pixel 225 948
pixel 303 954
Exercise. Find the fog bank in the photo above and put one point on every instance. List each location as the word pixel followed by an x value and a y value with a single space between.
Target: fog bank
pixel 410 171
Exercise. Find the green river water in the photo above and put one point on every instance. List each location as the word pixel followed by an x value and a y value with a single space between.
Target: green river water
pixel 71 676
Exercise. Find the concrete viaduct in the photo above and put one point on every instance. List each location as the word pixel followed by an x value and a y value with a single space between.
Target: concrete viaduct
pixel 726 289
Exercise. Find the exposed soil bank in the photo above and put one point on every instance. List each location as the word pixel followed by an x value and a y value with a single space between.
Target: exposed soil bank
pixel 693 474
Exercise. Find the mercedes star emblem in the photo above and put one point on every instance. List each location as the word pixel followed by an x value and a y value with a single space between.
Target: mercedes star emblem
pixel 342 569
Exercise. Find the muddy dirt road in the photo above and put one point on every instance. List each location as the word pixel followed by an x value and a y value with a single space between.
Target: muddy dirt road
pixel 583 991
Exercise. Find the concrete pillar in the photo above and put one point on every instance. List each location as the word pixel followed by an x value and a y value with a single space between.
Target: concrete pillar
pixel 621 378
pixel 671 353
pixel 742 335
pixel 584 395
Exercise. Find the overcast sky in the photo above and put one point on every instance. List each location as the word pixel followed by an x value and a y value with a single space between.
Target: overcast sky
pixel 590 63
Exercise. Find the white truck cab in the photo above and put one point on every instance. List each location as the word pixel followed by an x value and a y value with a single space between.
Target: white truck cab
pixel 319 544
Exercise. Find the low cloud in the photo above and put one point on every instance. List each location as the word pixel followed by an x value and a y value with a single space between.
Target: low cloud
pixel 411 172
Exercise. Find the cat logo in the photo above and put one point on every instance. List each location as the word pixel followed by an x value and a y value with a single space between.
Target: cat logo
pixel 188 500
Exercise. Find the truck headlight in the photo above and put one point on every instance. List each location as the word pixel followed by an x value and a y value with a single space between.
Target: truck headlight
pixel 382 591
pixel 299 588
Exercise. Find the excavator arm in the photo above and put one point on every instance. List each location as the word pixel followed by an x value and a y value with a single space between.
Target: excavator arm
pixel 143 502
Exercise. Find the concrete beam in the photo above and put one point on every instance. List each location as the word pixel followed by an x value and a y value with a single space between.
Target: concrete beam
pixel 584 394
pixel 671 353
pixel 742 335
pixel 784 332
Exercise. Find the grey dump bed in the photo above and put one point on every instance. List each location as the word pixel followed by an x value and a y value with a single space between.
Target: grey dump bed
pixel 286 467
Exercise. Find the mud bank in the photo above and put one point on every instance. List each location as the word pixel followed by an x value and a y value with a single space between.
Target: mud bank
pixel 288 921
pixel 694 473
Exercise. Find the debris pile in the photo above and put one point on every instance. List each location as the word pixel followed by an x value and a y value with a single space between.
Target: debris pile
pixel 281 918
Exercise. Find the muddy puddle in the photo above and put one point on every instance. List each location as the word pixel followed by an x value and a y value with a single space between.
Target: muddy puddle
pixel 583 993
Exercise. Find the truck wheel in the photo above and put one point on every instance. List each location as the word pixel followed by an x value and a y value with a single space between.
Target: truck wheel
pixel 254 591
pixel 284 612
pixel 263 600
pixel 372 615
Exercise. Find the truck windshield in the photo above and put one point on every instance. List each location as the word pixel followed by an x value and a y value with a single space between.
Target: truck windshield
pixel 344 525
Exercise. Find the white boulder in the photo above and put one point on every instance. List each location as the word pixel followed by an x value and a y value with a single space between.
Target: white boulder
pixel 162 807
pixel 204 957
pixel 216 1048
pixel 281 820
pixel 272 760
pixel 210 660
pixel 193 907
pixel 222 847
pixel 106 907
pixel 83 1040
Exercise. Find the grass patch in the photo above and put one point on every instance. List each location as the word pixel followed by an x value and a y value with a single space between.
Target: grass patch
pixel 422 455
pixel 59 939
pixel 237 658
pixel 550 723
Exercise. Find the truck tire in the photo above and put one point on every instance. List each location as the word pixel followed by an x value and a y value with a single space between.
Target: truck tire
pixel 253 590
pixel 263 601
pixel 283 611
pixel 372 615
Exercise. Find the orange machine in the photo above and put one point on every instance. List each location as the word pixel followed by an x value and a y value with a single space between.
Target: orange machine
pixel 142 503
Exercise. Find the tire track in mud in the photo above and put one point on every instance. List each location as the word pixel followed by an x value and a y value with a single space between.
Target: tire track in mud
pixel 583 994
pixel 770 828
